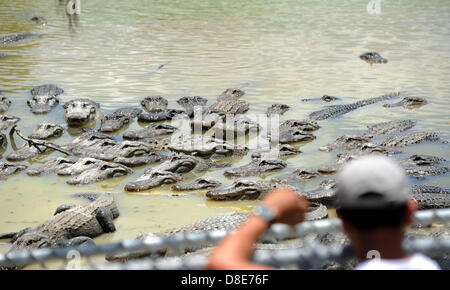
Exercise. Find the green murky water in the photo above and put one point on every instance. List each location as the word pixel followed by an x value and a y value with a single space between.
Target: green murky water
pixel 276 51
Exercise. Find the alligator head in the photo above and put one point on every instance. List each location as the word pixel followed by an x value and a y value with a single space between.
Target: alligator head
pixel 154 104
pixel 408 102
pixel 7 169
pixel 153 178
pixel 46 130
pixel 98 173
pixel 7 121
pixel 199 183
pixel 80 111
pixel 241 189
pixel 373 57
pixel 295 135
pixel 150 131
pixel 4 103
pixel 182 163
pixel 31 241
pixel 44 99
pixel 80 166
pixel 231 93
pixel 255 167
pixel 118 119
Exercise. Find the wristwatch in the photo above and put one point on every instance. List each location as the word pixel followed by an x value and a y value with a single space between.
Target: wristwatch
pixel 266 213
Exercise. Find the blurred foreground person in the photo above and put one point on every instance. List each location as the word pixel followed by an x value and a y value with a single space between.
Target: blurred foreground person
pixel 373 203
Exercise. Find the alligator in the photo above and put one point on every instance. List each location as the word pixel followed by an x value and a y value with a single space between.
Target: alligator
pixel 337 110
pixel 373 57
pixel 406 139
pixel 45 98
pixel 278 109
pixel 46 131
pixel 79 112
pixel 168 114
pixel 292 136
pixel 325 98
pixel 207 121
pixel 228 223
pixel 199 183
pixel 256 167
pixel 27 151
pixel 156 110
pixel 71 225
pixel 151 131
pixel 191 103
pixel 154 104
pixel 90 170
pixel 51 166
pixel 231 93
pixel 7 121
pixel 118 119
pixel 347 142
pixel 298 174
pixel 12 38
pixel 169 171
pixel 234 126
pixel 429 197
pixel 391 127
pixel 423 160
pixel 420 172
pixel 278 151
pixel 5 103
pixel 303 125
pixel 324 193
pixel 3 142
pixel 242 189
pixel 408 102
pixel 140 158
pixel 88 139
pixel 7 169
pixel 38 19
pixel 204 146
pixel 153 178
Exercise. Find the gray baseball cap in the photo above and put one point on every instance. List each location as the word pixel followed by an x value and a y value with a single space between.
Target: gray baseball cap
pixel 371 182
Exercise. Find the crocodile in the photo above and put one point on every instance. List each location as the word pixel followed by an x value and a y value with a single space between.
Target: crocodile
pixel 405 139
pixel 278 109
pixel 429 197
pixel 153 178
pixel 80 112
pixel 408 102
pixel 256 167
pixel 199 183
pixel 71 225
pixel 337 110
pixel 7 121
pixel 51 166
pixel 204 146
pixel 192 103
pixel 278 151
pixel 46 131
pixel 118 119
pixel 388 128
pixel 7 169
pixel 44 98
pixel 373 57
pixel 5 103
pixel 12 38
pixel 150 131
pixel 90 170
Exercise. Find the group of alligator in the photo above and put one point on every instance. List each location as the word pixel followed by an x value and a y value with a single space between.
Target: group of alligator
pixel 97 155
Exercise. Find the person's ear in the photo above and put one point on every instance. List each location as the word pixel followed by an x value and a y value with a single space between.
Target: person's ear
pixel 411 207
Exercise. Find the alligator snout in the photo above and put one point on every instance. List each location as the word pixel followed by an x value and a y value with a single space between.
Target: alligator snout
pixel 80 111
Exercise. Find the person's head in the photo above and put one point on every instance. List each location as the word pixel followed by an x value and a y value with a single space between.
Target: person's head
pixel 373 197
